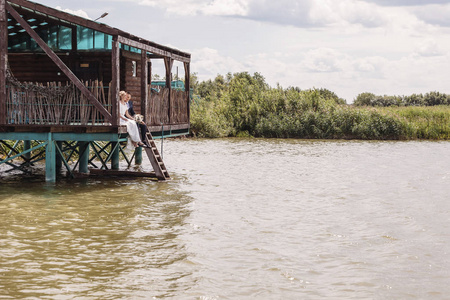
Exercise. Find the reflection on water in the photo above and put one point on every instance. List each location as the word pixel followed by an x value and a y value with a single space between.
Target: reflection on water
pixel 241 219
pixel 106 239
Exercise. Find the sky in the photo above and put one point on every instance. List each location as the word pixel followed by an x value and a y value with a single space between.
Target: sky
pixel 386 47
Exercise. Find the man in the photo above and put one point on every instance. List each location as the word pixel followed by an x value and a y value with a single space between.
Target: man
pixel 141 125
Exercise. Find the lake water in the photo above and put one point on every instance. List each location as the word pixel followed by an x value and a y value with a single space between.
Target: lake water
pixel 241 219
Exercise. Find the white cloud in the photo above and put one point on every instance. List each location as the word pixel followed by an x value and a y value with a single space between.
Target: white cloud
pixel 226 8
pixel 208 63
pixel 339 72
pixel 429 47
pixel 80 12
pixel 197 7
pixel 325 60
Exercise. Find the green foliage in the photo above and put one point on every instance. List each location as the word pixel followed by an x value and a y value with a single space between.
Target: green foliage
pixel 429 99
pixel 243 105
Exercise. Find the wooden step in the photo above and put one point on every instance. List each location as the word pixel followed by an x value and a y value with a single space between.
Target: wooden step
pixel 156 159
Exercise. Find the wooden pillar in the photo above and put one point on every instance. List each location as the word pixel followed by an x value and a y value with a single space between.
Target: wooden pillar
pixel 115 156
pixel 187 88
pixel 83 148
pixel 138 155
pixel 27 146
pixel 58 158
pixel 149 94
pixel 3 59
pixel 50 160
pixel 115 82
pixel 168 62
pixel 144 86
pixel 74 37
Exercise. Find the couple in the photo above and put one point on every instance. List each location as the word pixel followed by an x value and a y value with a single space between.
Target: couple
pixel 127 119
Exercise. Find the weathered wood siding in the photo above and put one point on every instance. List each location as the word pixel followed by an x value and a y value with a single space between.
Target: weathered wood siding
pixel 37 67
pixel 163 113
pixel 129 83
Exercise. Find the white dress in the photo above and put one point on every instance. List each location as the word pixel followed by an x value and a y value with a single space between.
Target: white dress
pixel 132 128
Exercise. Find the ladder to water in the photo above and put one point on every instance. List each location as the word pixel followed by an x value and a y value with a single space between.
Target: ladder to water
pixel 155 158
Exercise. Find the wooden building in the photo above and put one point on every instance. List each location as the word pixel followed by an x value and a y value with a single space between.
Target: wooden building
pixel 60 77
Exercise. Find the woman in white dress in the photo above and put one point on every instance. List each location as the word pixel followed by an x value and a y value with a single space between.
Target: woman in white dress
pixel 126 119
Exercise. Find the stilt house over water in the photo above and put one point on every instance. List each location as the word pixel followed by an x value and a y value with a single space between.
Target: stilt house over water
pixel 60 77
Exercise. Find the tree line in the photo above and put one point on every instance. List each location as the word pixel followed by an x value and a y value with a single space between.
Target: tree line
pixel 244 105
pixel 429 99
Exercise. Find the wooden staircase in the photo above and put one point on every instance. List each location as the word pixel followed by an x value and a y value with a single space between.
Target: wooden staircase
pixel 155 158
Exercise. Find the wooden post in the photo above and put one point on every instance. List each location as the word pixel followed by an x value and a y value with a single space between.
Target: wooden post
pixel 144 86
pixel 3 59
pixel 138 155
pixel 50 160
pixel 168 62
pixel 187 88
pixel 150 102
pixel 83 148
pixel 27 146
pixel 115 82
pixel 74 39
pixel 58 158
pixel 115 156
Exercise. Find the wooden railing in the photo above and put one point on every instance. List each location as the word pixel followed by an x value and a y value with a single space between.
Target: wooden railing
pixel 54 104
pixel 162 111
pixel 63 104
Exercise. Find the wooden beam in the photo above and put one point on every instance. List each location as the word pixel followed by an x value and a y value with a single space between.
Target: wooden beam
pixel 144 85
pixel 84 90
pixel 156 49
pixel 120 173
pixel 115 81
pixel 57 14
pixel 187 87
pixel 3 59
pixel 168 62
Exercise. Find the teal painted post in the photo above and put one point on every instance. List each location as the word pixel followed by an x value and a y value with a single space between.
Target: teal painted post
pixel 27 146
pixel 115 156
pixel 84 156
pixel 58 158
pixel 50 160
pixel 138 155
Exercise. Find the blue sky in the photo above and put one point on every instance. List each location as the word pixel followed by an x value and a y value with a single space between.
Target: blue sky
pixel 393 47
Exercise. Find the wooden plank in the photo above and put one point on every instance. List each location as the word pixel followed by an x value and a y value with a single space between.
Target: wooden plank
pixel 63 128
pixel 85 91
pixel 168 62
pixel 3 59
pixel 187 88
pixel 120 173
pixel 144 85
pixel 115 81
pixel 158 128
pixel 156 49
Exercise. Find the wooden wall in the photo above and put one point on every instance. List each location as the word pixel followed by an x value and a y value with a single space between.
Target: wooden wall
pixel 128 82
pixel 37 67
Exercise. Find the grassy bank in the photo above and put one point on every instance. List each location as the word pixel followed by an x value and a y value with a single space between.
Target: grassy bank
pixel 244 105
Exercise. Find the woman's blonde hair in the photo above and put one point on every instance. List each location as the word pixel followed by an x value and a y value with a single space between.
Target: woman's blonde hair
pixel 122 93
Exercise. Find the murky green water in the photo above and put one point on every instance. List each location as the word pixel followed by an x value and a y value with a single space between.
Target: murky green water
pixel 241 219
